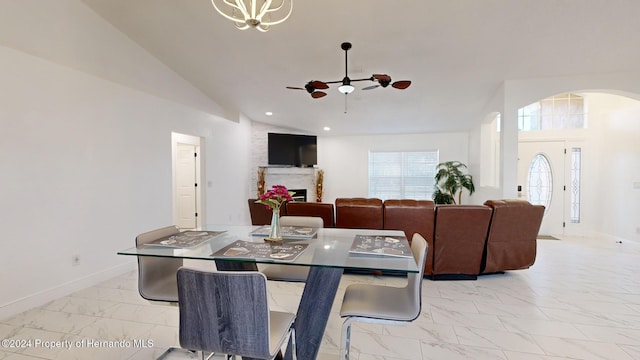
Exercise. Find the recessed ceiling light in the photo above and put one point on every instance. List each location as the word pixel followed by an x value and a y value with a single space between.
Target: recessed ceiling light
pixel 268 113
pixel 326 128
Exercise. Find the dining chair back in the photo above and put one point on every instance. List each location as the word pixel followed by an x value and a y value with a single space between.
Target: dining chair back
pixel 292 273
pixel 157 275
pixel 228 312
pixel 384 304
pixel 323 210
pixel 306 221
pixel 260 214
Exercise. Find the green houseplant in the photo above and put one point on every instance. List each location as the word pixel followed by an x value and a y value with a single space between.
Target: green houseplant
pixel 450 181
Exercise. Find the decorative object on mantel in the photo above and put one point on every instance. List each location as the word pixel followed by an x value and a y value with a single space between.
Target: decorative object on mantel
pixel 319 181
pixel 254 13
pixel 261 182
pixel 273 199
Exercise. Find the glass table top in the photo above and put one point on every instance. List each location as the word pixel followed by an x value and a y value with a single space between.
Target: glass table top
pixel 328 248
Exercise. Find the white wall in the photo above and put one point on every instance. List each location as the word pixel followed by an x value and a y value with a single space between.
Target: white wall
pixel 86 166
pixel 345 159
pixel 68 32
pixel 476 150
pixel 618 188
pixel 610 165
pixel 228 179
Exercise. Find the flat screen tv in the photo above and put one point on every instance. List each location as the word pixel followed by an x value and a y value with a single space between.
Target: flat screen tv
pixel 292 150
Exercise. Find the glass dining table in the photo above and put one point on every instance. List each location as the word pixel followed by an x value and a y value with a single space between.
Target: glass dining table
pixel 326 253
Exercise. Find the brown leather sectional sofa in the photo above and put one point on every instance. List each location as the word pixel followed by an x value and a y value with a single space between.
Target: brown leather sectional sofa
pixel 464 240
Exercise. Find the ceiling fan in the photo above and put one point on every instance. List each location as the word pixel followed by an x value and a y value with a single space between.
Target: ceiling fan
pixel 315 87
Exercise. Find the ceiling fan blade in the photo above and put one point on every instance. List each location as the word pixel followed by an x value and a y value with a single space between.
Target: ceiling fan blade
pixel 318 94
pixel 319 84
pixel 402 84
pixel 381 77
pixel 295 88
pixel 370 87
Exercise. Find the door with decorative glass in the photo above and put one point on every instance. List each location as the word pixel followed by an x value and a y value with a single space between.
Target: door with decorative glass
pixel 541 176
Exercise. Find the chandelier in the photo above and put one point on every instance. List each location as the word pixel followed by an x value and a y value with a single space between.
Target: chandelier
pixel 259 14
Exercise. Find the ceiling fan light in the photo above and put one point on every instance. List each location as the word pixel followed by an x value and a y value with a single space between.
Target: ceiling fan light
pixel 346 89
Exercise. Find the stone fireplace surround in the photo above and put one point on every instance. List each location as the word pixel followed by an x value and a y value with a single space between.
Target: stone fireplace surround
pixel 292 178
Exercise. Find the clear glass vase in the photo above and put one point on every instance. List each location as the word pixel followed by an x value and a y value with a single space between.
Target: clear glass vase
pixel 274 233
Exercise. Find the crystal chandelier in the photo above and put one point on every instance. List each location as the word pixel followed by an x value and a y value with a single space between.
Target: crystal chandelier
pixel 259 14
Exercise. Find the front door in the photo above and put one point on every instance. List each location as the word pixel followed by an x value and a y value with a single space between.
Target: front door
pixel 541 180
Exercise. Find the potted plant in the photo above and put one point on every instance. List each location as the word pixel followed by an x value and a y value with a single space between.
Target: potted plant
pixel 450 181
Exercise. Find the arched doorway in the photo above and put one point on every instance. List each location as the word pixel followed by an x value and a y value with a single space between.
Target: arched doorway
pixel 590 166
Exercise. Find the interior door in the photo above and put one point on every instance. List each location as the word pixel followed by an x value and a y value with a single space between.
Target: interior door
pixel 541 180
pixel 186 186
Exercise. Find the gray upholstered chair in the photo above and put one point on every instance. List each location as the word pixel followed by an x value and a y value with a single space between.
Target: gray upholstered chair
pixel 157 280
pixel 157 275
pixel 228 312
pixel 291 272
pixel 384 304
pixel 307 221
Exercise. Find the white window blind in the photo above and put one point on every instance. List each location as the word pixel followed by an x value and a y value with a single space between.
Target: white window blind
pixel 402 175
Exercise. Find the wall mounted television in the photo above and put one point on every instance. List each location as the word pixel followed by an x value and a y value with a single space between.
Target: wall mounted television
pixel 292 150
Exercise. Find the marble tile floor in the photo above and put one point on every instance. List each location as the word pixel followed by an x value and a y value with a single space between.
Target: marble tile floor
pixel 581 300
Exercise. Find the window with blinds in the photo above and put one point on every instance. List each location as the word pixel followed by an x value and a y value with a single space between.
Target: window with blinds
pixel 402 175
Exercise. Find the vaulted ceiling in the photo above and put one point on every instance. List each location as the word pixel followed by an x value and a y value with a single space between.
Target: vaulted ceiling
pixel 457 53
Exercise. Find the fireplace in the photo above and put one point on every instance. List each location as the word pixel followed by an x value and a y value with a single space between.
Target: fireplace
pixel 297 180
pixel 299 194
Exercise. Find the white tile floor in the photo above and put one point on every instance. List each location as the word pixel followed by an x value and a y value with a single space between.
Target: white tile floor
pixel 581 300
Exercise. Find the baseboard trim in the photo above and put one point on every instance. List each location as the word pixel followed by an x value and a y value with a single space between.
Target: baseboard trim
pixel 42 297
